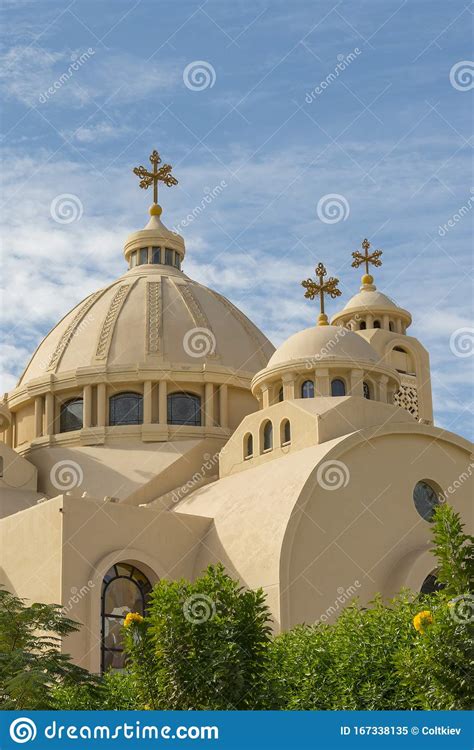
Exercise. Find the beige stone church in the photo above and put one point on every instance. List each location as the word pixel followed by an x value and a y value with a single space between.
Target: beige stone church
pixel 156 430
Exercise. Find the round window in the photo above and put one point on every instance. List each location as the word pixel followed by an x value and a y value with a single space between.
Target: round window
pixel 426 499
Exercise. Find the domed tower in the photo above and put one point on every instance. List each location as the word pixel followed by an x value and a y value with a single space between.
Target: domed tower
pixel 381 322
pixel 144 380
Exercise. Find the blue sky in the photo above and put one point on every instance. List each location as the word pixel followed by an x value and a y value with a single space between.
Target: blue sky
pixel 289 103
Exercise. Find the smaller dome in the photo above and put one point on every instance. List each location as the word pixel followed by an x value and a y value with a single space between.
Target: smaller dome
pixel 370 299
pixel 324 343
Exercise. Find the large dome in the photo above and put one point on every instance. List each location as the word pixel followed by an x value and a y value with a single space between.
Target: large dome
pixel 148 316
pixel 323 343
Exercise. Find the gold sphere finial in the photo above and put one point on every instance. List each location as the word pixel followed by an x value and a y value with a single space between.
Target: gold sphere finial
pixel 323 320
pixel 367 279
pixel 155 210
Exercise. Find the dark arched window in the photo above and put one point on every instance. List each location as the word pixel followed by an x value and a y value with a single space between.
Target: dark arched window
pixel 338 388
pixel 366 390
pixel 268 436
pixel 126 408
pixel 376 323
pixel 390 326
pixel 184 408
pixel 280 394
pixel 426 498
pixel 363 325
pixel 307 389
pixel 70 417
pixel 248 445
pixel 285 432
pixel 124 589
pixel 431 584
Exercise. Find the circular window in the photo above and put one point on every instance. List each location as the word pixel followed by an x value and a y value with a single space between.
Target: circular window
pixel 426 499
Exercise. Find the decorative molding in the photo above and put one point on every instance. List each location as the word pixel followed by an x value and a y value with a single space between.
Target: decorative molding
pixel 196 312
pixel 74 326
pixel 108 325
pixel 407 396
pixel 154 303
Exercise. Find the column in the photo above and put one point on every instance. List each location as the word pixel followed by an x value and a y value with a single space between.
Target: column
pixel 385 322
pixel 265 396
pixel 382 387
pixel 398 325
pixel 321 381
pixel 224 405
pixel 288 381
pixel 163 402
pixel 49 414
pixel 369 319
pixel 101 405
pixel 38 416
pixel 87 406
pixel 209 405
pixel 356 385
pixel 147 402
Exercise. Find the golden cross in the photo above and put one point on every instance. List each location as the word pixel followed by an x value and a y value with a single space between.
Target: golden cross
pixel 314 288
pixel 163 174
pixel 367 257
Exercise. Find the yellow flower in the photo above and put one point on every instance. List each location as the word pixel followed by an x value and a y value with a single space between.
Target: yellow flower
pixel 131 618
pixel 422 620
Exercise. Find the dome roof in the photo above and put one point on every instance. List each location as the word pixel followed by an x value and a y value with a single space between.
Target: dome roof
pixel 151 315
pixel 370 299
pixel 324 343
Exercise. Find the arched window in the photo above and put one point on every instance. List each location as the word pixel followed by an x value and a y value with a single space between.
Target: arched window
pixel 390 326
pixel 124 589
pixel 268 436
pixel 426 498
pixel 285 432
pixel 431 584
pixel 248 445
pixel 307 389
pixel 280 394
pixel 366 390
pixel 376 323
pixel 184 408
pixel 338 388
pixel 399 349
pixel 126 408
pixel 363 325
pixel 70 416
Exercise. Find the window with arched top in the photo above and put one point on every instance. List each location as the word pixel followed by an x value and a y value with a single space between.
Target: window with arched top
pixel 363 325
pixel 285 432
pixel 338 387
pixel 71 415
pixel 402 360
pixel 376 323
pixel 126 408
pixel 431 584
pixel 391 327
pixel 280 394
pixel 268 436
pixel 248 445
pixel 124 589
pixel 366 388
pixel 184 408
pixel 307 389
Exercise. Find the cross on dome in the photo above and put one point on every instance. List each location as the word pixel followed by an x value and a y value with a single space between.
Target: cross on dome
pixel 147 178
pixel 315 288
pixel 373 258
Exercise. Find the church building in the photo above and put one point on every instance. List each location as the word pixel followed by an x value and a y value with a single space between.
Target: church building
pixel 156 430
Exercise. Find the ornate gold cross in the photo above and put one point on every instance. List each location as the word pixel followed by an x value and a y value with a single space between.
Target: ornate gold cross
pixel 315 288
pixel 163 174
pixel 366 258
